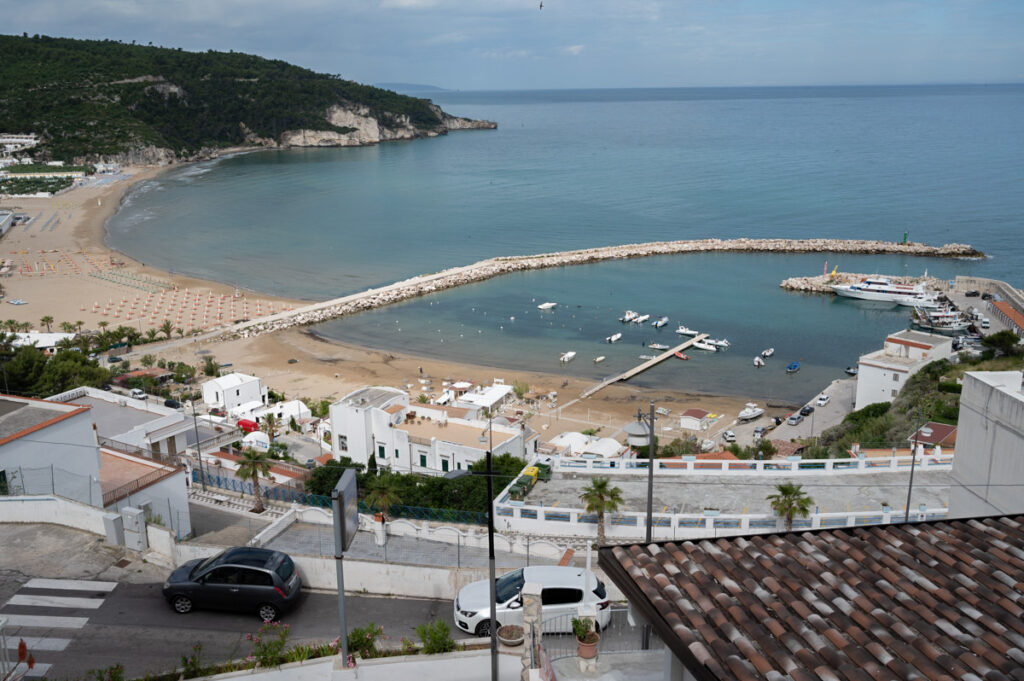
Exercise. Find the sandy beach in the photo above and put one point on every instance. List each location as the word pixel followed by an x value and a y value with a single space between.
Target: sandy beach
pixel 62 268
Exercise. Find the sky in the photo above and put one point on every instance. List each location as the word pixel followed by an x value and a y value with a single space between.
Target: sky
pixel 516 44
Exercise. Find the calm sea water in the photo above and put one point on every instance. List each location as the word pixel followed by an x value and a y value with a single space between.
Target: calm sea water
pixel 569 169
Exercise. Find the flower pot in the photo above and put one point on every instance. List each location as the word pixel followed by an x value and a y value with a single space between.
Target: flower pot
pixel 511 635
pixel 587 646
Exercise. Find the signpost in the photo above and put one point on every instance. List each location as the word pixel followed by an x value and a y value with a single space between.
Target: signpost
pixel 345 508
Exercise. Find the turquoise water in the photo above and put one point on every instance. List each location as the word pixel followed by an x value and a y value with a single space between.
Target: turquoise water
pixel 569 169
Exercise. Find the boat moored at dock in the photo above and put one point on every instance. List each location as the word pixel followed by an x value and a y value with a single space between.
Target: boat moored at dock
pixel 567 356
pixel 701 345
pixel 881 289
pixel 684 330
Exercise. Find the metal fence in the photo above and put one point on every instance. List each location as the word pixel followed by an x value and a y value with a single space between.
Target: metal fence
pixel 289 495
pixel 51 480
pixel 619 635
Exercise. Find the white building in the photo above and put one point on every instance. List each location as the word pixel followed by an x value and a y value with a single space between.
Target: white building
pixel 572 444
pixel 481 398
pixel 284 412
pixel 6 221
pixel 380 422
pixel 47 342
pixel 234 390
pixel 989 464
pixel 881 374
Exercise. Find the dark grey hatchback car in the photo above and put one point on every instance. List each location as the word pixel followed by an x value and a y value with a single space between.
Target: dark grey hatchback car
pixel 261 581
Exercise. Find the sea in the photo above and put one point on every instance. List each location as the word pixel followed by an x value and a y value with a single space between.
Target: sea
pixel 570 169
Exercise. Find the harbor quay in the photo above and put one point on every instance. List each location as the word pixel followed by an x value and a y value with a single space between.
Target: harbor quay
pixel 493 267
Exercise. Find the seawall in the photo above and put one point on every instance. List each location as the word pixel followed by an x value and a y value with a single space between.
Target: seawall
pixel 822 283
pixel 493 267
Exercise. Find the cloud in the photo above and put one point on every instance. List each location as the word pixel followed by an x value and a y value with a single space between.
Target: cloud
pixel 574 50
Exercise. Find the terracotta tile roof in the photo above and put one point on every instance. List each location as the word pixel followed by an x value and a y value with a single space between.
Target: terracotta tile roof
pixel 928 601
pixel 696 413
pixel 784 448
pixel 1016 317
pixel 941 434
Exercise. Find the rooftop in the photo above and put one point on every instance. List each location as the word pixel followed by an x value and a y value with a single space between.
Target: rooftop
pixel 231 380
pixel 934 600
pixel 940 433
pixel 20 416
pixel 118 468
pixel 458 433
pixel 929 339
pixel 376 396
pixel 114 419
pixel 1007 309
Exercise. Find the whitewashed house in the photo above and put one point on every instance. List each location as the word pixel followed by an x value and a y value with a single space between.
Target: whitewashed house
pixel 234 390
pixel 881 374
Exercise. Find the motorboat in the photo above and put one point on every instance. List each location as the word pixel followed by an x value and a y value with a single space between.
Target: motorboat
pixel 750 412
pixel 768 353
pixel 546 306
pixel 792 367
pixel 628 317
pixel 646 356
pixel 641 319
pixel 658 346
pixel 758 362
pixel 614 338
pixel 944 321
pixel 852 371
pixel 724 343
pixel 567 356
pixel 680 355
pixel 684 330
pixel 598 360
pixel 660 322
pixel 701 345
pixel 882 289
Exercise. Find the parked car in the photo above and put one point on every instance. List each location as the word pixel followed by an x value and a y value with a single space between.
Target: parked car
pixel 795 419
pixel 986 296
pixel 563 590
pixel 173 404
pixel 113 359
pixel 137 393
pixel 823 400
pixel 972 294
pixel 262 581
pixel 806 410
pixel 759 432
pixel 729 436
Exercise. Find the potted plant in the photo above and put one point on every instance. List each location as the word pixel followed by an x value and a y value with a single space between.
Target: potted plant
pixel 511 635
pixel 586 637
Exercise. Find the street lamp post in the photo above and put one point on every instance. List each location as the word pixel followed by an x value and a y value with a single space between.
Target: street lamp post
pixel 490 551
pixel 635 435
pixel 199 450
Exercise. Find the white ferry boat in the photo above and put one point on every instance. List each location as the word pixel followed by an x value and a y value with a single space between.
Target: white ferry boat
pixel 882 289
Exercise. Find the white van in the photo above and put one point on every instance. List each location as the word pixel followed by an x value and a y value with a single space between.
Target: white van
pixel 984 322
pixel 138 394
pixel 564 590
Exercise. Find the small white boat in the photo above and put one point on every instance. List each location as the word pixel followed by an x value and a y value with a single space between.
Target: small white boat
pixel 684 330
pixel 642 318
pixel 567 356
pixel 598 360
pixel 546 306
pixel 750 412
pixel 758 362
pixel 628 317
pixel 614 338
pixel 724 343
pixel 768 353
pixel 646 356
pixel 661 321
pixel 700 345
pixel 658 346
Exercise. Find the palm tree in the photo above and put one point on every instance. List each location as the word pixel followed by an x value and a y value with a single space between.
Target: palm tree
pixel 46 321
pixel 24 327
pixel 270 425
pixel 79 324
pixel 167 328
pixel 251 466
pixel 790 500
pixel 600 499
pixel 150 335
pixel 67 327
pixel 382 493
pixel 11 324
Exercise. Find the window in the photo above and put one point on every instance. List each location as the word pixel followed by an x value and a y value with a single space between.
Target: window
pixel 396 455
pixel 895 393
pixel 458 465
pixel 380 451
pixel 256 578
pixel 343 443
pixel 896 377
pixel 423 460
pixel 224 575
pixel 4 488
pixel 560 596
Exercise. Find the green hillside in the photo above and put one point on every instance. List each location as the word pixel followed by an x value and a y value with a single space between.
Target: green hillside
pixel 88 98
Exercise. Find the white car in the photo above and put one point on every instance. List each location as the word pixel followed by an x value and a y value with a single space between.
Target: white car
pixel 729 436
pixel 564 590
pixel 823 400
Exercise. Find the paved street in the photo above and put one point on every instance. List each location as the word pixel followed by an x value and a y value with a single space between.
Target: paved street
pixel 87 613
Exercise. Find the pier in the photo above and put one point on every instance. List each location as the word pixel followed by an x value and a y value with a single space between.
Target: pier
pixel 640 368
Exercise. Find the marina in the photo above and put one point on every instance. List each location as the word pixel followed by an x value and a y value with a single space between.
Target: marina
pixel 626 375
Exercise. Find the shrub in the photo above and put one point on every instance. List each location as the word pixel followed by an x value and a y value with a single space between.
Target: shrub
pixel 363 640
pixel 268 644
pixel 436 637
pixel 191 667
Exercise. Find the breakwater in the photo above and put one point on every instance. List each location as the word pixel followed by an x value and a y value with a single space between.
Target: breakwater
pixel 822 283
pixel 493 267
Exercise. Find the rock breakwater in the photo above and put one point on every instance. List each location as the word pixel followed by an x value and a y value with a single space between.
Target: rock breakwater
pixel 823 282
pixel 493 267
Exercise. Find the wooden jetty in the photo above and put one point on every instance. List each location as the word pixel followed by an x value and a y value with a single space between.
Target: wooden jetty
pixel 626 375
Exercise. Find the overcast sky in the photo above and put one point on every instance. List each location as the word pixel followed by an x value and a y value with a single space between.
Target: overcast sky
pixel 514 44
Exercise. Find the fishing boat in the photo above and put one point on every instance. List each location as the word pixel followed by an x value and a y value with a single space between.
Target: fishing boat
pixel 724 343
pixel 852 371
pixel 658 346
pixel 628 317
pixel 750 412
pixel 598 360
pixel 660 322
pixel 641 319
pixel 567 356
pixel 768 353
pixel 792 367
pixel 945 321
pixel 680 355
pixel 614 338
pixel 701 345
pixel 882 289
pixel 684 330
pixel 758 361
pixel 546 306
